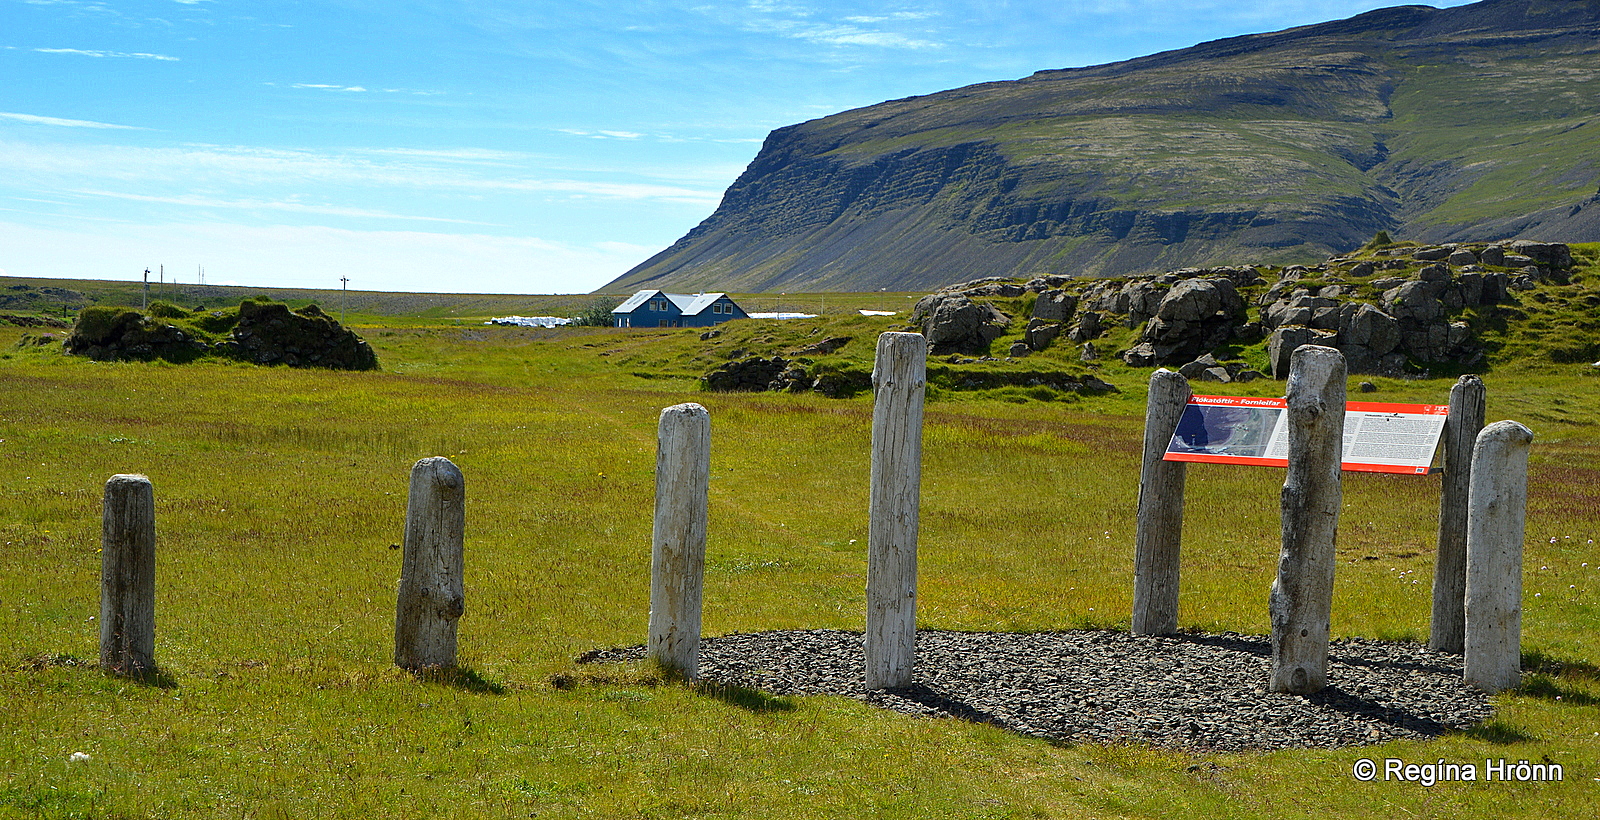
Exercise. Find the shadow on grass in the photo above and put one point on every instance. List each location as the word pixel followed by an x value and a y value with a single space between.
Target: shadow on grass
pixel 464 678
pixel 1548 688
pixel 156 678
pixel 1493 731
pixel 744 697
pixel 1537 661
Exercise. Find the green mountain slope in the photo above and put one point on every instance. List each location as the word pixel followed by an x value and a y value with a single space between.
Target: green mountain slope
pixel 1477 122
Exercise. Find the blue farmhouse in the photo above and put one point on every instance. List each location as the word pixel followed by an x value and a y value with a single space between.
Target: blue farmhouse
pixel 654 308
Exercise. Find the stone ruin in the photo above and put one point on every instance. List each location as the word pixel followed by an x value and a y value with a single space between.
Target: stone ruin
pixel 261 333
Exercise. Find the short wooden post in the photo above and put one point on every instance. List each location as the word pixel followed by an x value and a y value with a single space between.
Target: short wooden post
pixel 1158 538
pixel 128 576
pixel 1302 595
pixel 1499 500
pixel 431 598
pixel 1447 629
pixel 678 551
pixel 899 378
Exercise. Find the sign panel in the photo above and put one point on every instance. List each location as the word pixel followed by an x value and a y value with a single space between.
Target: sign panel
pixel 1378 437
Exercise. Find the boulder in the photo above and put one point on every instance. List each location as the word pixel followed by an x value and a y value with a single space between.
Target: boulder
pixel 1368 327
pixel 754 374
pixel 1088 327
pixel 1284 340
pixel 951 322
pixel 1055 306
pixel 1040 334
pixel 1193 316
pixel 1552 255
pixel 1462 257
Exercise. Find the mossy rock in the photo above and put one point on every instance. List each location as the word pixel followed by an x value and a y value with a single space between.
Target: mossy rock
pixel 99 324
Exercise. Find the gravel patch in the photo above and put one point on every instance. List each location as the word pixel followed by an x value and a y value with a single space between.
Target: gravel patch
pixel 1189 691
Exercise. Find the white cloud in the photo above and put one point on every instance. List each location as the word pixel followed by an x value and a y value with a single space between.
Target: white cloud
pixel 288 256
pixel 268 205
pixel 138 55
pixel 33 119
pixel 98 167
pixel 362 89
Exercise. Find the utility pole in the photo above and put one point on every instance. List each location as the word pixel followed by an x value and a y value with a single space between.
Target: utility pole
pixel 344 297
pixel 144 303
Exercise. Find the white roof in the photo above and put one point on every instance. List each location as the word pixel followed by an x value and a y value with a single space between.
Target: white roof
pixel 689 304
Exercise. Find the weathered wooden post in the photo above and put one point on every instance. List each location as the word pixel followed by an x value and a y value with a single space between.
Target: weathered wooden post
pixel 128 576
pixel 1499 501
pixel 1447 629
pixel 899 377
pixel 1302 595
pixel 431 598
pixel 678 551
pixel 1158 538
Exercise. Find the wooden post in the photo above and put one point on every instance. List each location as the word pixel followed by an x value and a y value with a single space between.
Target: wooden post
pixel 431 598
pixel 1302 595
pixel 128 576
pixel 899 377
pixel 1159 535
pixel 678 551
pixel 1499 500
pixel 1447 629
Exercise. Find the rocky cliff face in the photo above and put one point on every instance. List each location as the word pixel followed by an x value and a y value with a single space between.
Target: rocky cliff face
pixel 1477 122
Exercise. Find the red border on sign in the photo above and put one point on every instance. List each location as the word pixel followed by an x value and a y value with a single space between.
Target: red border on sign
pixel 1347 466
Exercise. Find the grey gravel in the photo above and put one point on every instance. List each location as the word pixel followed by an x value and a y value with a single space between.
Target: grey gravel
pixel 1187 691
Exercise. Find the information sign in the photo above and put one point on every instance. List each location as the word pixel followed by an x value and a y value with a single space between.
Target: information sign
pixel 1378 437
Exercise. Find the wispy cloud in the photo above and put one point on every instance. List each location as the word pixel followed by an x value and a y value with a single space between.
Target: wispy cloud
pixel 33 119
pixel 362 89
pixel 798 22
pixel 136 55
pixel 270 205
pixel 470 171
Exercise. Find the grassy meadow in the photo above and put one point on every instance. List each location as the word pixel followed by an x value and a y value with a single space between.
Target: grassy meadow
pixel 280 502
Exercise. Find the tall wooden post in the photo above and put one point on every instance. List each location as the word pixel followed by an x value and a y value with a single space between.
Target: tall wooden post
pixel 431 598
pixel 1499 500
pixel 1447 629
pixel 678 551
pixel 1302 595
pixel 1158 538
pixel 899 378
pixel 128 576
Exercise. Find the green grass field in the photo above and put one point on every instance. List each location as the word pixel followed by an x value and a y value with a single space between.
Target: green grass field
pixel 281 496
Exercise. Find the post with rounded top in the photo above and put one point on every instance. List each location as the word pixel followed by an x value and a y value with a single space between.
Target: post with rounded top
pixel 431 598
pixel 899 379
pixel 1447 628
pixel 678 551
pixel 1499 501
pixel 1158 538
pixel 1302 596
pixel 128 576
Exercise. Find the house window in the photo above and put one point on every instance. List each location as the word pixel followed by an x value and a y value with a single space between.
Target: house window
pixel 658 304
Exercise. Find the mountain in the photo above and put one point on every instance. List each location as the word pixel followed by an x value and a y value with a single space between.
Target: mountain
pixel 1477 122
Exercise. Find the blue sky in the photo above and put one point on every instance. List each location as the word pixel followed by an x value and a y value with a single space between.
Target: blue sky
pixel 470 145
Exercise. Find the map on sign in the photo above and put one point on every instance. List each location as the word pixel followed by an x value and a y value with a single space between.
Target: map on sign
pixel 1378 438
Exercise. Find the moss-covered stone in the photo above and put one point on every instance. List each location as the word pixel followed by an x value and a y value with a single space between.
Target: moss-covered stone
pixel 260 331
